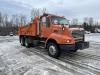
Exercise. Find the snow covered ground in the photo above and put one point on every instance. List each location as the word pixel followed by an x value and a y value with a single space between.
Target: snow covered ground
pixel 17 60
pixel 93 37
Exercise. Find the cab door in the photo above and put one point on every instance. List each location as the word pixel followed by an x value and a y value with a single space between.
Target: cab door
pixel 46 28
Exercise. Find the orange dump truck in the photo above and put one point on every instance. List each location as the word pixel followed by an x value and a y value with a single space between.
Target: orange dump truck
pixel 53 33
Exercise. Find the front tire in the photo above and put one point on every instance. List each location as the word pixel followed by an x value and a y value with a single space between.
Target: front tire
pixel 53 50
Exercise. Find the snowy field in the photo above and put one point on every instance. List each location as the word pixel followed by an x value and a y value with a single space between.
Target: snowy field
pixel 95 38
pixel 18 60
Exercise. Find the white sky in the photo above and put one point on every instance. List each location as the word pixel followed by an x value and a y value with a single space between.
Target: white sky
pixel 68 8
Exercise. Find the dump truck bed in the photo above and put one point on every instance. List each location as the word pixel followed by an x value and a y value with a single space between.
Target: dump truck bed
pixel 29 29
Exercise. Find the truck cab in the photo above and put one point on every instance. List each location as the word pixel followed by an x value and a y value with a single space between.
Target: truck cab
pixel 56 33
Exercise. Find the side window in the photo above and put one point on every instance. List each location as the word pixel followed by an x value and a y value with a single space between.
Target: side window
pixel 46 21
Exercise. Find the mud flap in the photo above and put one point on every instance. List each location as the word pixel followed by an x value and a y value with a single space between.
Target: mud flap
pixel 82 45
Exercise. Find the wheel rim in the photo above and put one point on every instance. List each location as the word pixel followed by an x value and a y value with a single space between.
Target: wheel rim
pixel 52 50
pixel 26 44
pixel 21 41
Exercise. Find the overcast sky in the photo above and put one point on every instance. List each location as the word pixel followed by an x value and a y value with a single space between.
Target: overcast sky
pixel 68 8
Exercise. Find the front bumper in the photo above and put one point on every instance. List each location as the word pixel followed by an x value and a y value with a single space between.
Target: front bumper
pixel 82 45
pixel 67 47
pixel 78 45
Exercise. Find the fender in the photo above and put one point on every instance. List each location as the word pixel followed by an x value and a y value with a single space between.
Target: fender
pixel 59 38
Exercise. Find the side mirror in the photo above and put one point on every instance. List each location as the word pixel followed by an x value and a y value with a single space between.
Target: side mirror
pixel 55 21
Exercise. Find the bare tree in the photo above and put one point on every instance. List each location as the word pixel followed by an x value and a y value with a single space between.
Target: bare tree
pixel 96 23
pixel 22 20
pixel 74 21
pixel 10 24
pixel 5 20
pixel 44 10
pixel 35 13
pixel 90 21
pixel 86 20
pixel 0 19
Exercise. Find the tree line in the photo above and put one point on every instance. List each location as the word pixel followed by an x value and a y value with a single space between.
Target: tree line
pixel 11 23
pixel 89 24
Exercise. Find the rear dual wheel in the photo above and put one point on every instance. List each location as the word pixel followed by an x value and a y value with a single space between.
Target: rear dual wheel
pixel 27 44
pixel 22 41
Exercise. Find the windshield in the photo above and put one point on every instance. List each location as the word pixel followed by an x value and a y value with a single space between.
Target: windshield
pixel 59 20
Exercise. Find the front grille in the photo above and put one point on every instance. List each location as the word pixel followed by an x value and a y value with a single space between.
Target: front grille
pixel 79 35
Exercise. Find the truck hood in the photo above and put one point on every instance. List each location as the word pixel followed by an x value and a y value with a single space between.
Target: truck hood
pixel 72 29
pixel 67 31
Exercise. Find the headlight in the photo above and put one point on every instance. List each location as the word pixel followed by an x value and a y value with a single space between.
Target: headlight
pixel 65 41
pixel 68 41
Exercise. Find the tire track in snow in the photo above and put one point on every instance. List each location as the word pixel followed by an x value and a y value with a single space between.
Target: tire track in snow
pixel 81 67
